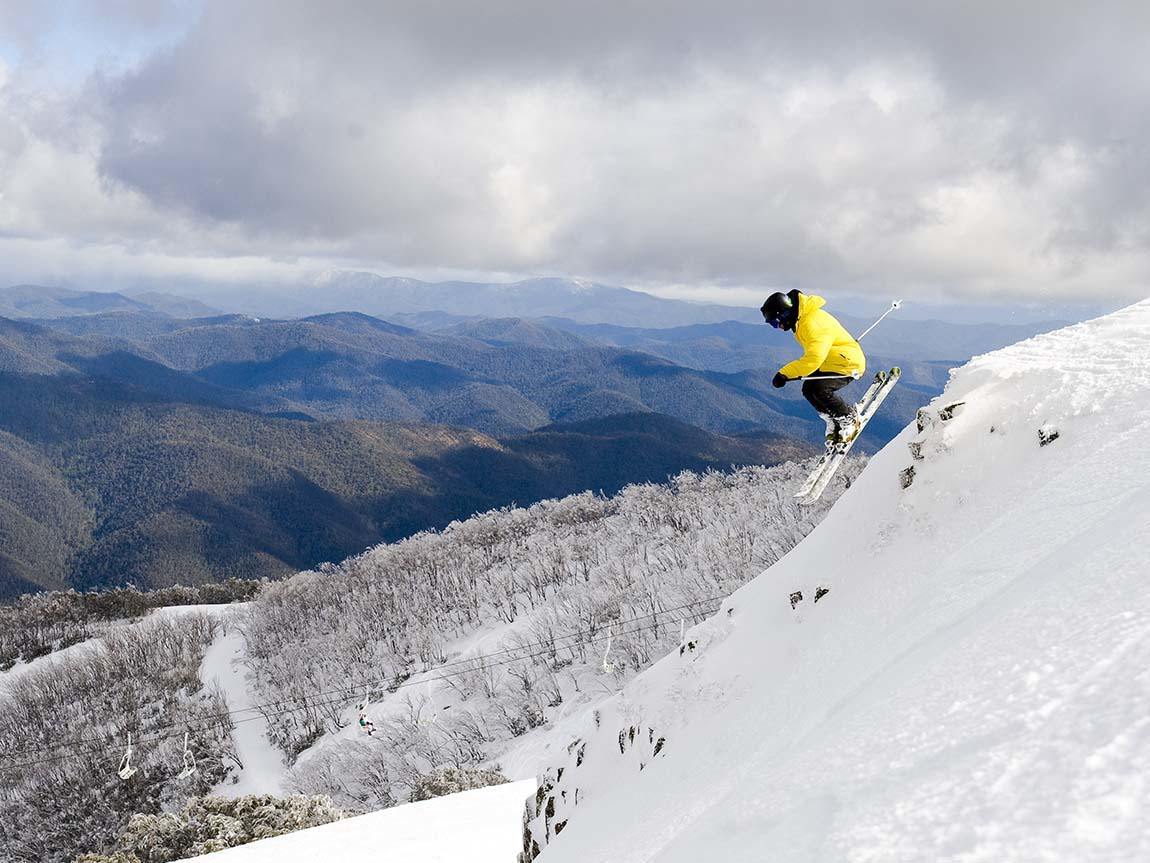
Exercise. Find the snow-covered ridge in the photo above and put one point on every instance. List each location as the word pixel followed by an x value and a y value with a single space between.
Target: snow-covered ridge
pixel 975 686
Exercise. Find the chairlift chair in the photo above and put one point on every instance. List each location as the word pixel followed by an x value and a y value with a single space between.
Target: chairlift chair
pixel 608 665
pixel 365 724
pixel 127 771
pixel 189 760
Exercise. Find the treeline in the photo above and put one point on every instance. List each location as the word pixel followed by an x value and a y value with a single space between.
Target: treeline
pixel 548 584
pixel 40 623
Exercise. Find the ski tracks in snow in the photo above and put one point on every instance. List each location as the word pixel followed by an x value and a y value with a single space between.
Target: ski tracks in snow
pixel 263 767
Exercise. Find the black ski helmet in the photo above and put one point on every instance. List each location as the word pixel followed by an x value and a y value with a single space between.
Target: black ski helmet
pixel 781 310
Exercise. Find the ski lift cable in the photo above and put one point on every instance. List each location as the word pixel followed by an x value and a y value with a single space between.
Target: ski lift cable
pixel 579 636
pixel 97 750
pixel 341 695
pixel 97 746
pixel 206 722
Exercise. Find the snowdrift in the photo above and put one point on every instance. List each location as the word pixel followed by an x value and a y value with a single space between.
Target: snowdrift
pixel 975 686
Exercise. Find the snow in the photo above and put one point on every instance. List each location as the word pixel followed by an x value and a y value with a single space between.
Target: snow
pixel 75 651
pixel 67 654
pixel 214 610
pixel 481 826
pixel 975 687
pixel 263 769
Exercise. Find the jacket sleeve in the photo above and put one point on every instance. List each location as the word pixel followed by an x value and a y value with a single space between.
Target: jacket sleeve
pixel 816 345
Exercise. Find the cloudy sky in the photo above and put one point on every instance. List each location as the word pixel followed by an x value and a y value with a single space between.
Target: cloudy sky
pixel 981 151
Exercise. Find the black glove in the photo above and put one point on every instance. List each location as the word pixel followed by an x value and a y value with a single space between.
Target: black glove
pixel 779 380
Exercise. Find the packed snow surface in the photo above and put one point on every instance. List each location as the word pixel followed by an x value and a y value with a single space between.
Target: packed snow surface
pixel 263 769
pixel 482 826
pixel 976 685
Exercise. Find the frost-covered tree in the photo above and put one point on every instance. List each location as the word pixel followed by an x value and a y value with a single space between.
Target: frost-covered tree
pixel 557 581
pixel 209 824
pixel 63 728
pixel 452 780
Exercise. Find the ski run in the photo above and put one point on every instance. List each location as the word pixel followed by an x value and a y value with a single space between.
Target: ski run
pixel 975 686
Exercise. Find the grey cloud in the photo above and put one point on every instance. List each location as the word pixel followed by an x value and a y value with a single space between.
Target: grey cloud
pixel 974 148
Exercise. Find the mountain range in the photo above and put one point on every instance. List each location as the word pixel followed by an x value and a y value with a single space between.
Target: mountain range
pixel 699 335
pixel 498 376
pixel 389 296
pixel 118 464
pixel 139 445
pixel 39 301
pixel 911 332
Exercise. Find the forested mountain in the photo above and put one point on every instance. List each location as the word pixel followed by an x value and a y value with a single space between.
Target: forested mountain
pixel 140 448
pixel 735 345
pixel 107 483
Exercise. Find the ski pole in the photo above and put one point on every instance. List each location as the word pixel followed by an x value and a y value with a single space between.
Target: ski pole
pixel 893 306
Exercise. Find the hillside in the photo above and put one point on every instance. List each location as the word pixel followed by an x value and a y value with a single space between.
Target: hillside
pixel 974 685
pixel 441 632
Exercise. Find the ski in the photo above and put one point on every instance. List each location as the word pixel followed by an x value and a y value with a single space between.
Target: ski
pixel 812 488
pixel 825 458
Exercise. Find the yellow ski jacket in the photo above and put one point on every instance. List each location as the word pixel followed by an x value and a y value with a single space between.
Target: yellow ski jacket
pixel 827 346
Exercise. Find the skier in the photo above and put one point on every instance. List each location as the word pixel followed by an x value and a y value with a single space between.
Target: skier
pixel 831 359
pixel 365 723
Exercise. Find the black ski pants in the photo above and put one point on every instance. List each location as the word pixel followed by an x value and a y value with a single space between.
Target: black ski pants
pixel 822 392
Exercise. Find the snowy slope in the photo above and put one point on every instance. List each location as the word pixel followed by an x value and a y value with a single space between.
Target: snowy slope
pixel 975 687
pixel 481 826
pixel 76 652
pixel 263 769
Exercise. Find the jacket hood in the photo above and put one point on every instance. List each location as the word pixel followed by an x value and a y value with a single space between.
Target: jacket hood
pixel 810 303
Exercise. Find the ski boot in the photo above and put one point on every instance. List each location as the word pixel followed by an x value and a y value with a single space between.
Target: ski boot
pixel 847 428
pixel 831 436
